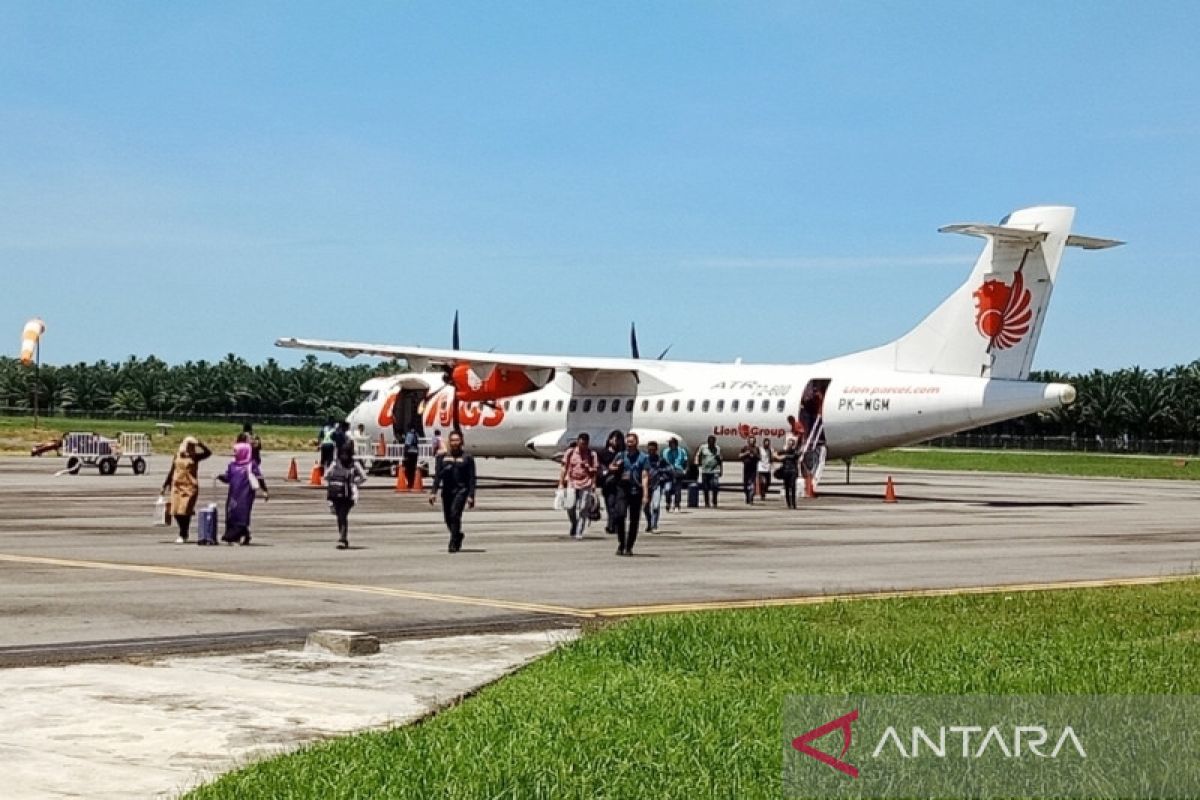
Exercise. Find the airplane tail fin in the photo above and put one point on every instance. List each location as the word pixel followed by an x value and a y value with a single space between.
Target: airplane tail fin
pixel 989 327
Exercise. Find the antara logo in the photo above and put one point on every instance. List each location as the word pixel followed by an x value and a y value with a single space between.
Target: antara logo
pixel 1002 313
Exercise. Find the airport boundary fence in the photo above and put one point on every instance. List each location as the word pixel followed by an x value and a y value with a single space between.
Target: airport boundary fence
pixel 136 416
pixel 1120 445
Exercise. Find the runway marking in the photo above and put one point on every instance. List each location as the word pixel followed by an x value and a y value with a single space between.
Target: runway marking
pixel 812 600
pixel 384 591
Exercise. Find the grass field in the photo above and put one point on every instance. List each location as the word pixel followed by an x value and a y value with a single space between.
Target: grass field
pixel 17 434
pixel 1105 466
pixel 688 706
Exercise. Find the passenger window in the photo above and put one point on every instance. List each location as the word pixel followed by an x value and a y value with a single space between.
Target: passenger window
pixel 674 405
pixel 506 405
pixel 780 406
pixel 545 405
pixel 616 404
pixel 600 404
pixel 520 404
pixel 571 407
pixel 558 406
pixel 704 406
pixel 645 405
pixel 629 406
pixel 733 406
pixel 720 406
pixel 661 405
pixel 749 405
pixel 691 406
pixel 587 406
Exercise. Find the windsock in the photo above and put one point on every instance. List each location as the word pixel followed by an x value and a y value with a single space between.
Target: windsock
pixel 29 339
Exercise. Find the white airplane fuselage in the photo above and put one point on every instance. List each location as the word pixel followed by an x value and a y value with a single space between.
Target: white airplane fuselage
pixel 863 410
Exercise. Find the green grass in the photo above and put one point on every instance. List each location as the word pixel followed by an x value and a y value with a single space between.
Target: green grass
pixel 1100 466
pixel 18 434
pixel 689 706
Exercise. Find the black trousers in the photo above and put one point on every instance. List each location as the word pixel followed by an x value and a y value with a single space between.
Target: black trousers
pixel 789 489
pixel 627 516
pixel 410 468
pixel 749 478
pixel 184 523
pixel 453 505
pixel 764 484
pixel 711 483
pixel 341 510
pixel 327 453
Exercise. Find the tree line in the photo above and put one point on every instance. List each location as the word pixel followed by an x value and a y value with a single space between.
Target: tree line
pixel 1133 403
pixel 150 387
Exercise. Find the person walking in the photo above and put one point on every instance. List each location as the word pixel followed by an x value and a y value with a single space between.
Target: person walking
pixel 659 481
pixel 436 445
pixel 708 459
pixel 245 481
pixel 580 467
pixel 183 479
pixel 412 451
pixel 766 457
pixel 749 459
pixel 633 481
pixel 614 446
pixel 677 457
pixel 341 490
pixel 789 469
pixel 454 477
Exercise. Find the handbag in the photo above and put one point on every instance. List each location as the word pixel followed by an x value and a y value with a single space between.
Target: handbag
pixel 162 511
pixel 255 485
pixel 560 499
pixel 593 507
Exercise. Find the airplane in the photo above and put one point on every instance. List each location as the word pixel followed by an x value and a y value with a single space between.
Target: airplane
pixel 965 365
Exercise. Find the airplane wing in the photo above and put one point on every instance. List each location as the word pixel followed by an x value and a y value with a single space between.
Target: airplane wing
pixel 587 371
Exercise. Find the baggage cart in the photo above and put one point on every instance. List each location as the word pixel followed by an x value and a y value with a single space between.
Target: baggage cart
pixel 85 449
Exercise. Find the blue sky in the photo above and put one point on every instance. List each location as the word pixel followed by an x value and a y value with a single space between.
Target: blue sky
pixel 762 180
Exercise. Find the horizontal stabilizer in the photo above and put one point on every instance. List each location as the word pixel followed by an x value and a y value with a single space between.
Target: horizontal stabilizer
pixel 1001 233
pixel 1091 242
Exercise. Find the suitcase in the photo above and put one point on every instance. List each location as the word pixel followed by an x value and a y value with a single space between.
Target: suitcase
pixel 207 533
pixel 693 500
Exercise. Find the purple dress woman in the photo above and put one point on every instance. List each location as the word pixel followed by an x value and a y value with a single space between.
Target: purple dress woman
pixel 240 503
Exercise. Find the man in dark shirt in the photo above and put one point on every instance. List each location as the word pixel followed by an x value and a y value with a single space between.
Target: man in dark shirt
pixel 631 472
pixel 454 476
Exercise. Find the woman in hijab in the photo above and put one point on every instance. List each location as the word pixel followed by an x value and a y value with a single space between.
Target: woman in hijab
pixel 245 479
pixel 183 479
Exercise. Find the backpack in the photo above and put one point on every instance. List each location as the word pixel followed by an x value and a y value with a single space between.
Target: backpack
pixel 338 482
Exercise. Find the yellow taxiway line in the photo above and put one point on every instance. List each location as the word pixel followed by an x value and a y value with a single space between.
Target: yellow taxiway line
pixel 810 600
pixel 601 612
pixel 269 580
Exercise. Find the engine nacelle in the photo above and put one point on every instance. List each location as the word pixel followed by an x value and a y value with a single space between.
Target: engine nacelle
pixel 500 382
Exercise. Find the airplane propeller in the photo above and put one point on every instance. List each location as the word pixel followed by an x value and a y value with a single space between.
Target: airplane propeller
pixel 633 345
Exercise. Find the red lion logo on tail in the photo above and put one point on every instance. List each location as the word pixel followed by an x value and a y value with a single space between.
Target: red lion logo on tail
pixel 1002 313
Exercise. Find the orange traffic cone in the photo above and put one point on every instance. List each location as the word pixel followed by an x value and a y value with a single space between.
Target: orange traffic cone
pixel 381 447
pixel 317 476
pixel 419 481
pixel 889 491
pixel 401 481
pixel 293 474
pixel 809 489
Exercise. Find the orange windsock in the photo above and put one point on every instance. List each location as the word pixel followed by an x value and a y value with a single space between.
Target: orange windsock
pixel 29 339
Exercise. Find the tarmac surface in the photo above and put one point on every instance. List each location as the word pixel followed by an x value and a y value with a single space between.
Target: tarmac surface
pixel 85 575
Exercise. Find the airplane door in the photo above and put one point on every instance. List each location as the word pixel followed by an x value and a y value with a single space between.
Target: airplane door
pixel 406 412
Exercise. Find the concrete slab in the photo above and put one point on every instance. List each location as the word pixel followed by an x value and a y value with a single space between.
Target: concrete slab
pixel 156 729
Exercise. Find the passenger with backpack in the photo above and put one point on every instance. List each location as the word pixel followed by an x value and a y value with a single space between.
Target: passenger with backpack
pixel 325 444
pixel 341 490
pixel 412 452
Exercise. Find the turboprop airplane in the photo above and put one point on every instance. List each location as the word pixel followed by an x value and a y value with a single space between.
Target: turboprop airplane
pixel 963 366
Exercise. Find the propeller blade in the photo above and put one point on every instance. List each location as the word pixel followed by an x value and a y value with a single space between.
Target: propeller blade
pixel 454 342
pixel 633 343
pixel 663 354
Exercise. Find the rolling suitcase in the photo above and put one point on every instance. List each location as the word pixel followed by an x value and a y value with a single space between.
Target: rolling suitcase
pixel 207 533
pixel 693 500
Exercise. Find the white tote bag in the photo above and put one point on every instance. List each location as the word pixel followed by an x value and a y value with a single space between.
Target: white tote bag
pixel 162 511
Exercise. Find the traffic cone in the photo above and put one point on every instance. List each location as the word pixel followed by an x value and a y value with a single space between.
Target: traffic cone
pixel 317 476
pixel 809 489
pixel 381 447
pixel 418 481
pixel 889 491
pixel 293 475
pixel 401 481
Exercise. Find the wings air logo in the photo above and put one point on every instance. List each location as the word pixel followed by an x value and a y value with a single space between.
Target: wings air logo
pixel 1002 313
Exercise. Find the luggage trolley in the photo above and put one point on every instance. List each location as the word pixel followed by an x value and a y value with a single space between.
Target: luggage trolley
pixel 94 450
